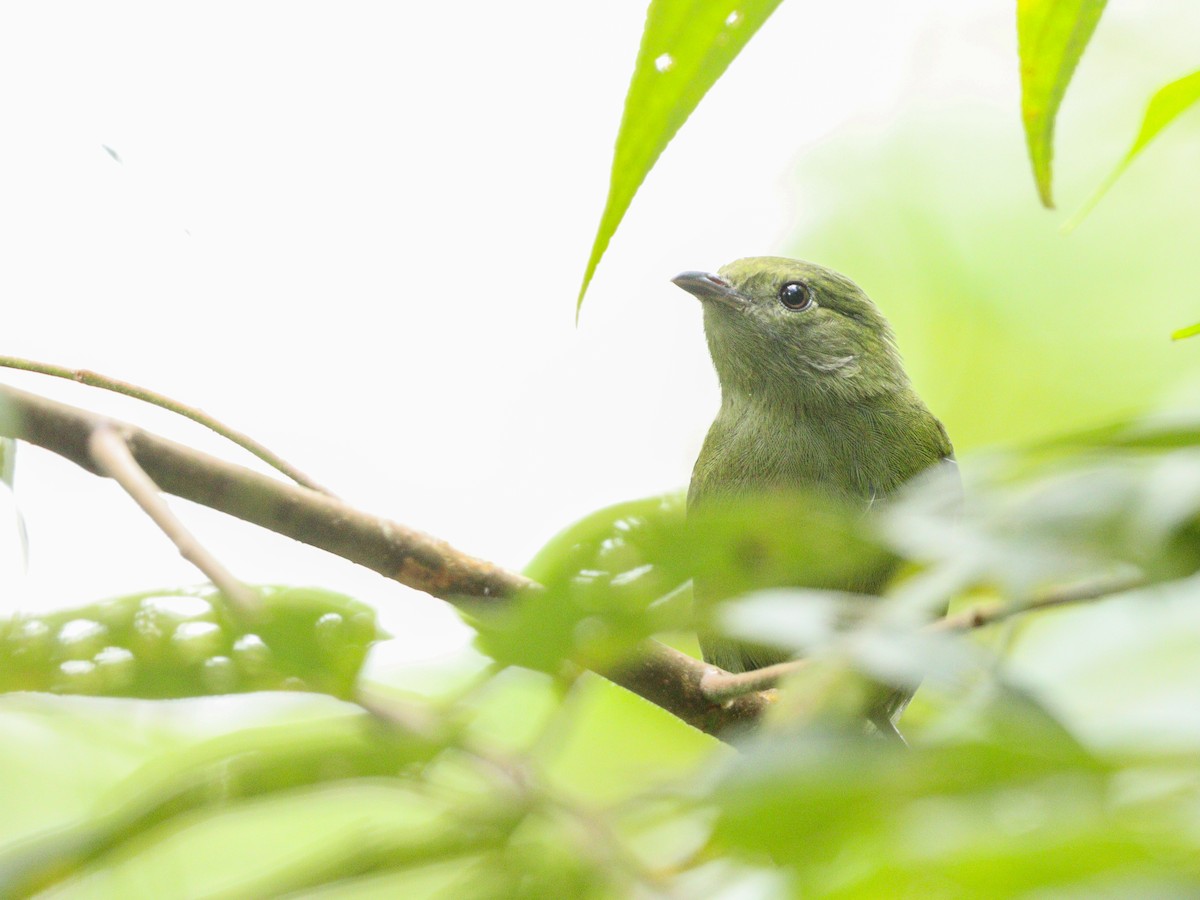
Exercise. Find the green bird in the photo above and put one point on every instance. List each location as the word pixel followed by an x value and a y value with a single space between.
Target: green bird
pixel 814 398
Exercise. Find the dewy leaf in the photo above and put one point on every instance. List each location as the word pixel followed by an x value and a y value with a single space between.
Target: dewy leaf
pixel 686 46
pixel 180 643
pixel 1051 37
pixel 1164 107
pixel 599 587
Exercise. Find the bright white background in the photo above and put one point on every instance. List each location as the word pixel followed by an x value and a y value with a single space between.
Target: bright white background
pixel 356 231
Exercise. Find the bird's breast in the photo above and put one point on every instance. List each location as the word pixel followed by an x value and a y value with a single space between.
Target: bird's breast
pixel 854 455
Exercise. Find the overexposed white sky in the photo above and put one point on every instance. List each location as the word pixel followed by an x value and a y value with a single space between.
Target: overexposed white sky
pixel 356 231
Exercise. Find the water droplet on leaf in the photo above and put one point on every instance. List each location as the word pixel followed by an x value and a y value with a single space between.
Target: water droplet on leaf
pixel 81 638
pixel 219 674
pixel 252 656
pixel 194 641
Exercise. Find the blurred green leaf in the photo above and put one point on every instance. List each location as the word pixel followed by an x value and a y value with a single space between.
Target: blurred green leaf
pixel 162 776
pixel 773 540
pixel 1125 673
pixel 1071 519
pixel 184 643
pixel 1051 38
pixel 616 745
pixel 433 881
pixel 1189 331
pixel 291 841
pixel 575 546
pixel 1002 800
pixel 619 575
pixel 600 584
pixel 1156 432
pixel 686 46
pixel 1166 104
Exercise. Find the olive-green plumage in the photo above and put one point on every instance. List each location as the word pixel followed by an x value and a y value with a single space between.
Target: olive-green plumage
pixel 813 398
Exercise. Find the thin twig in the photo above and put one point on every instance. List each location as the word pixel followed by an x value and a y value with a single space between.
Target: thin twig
pixel 403 554
pixel 111 454
pixel 989 614
pixel 719 686
pixel 197 415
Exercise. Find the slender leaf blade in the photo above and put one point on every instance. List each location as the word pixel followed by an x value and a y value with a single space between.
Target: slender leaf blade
pixel 1167 104
pixel 686 46
pixel 1051 38
pixel 1164 107
pixel 1187 332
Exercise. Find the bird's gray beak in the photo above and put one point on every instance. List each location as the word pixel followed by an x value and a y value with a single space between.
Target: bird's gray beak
pixel 706 286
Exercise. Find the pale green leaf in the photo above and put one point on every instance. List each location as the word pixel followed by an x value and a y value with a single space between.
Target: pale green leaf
pixel 84 775
pixel 1164 107
pixel 686 46
pixel 289 841
pixel 1051 37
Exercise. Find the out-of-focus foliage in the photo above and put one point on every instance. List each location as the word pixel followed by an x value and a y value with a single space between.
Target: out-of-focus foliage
pixel 1052 754
pixel 183 643
pixel 1051 38
pixel 623 573
pixel 519 784
pixel 686 46
pixel 601 590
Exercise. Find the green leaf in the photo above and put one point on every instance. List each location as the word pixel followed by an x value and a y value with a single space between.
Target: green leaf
pixel 600 591
pixel 182 643
pixel 619 575
pixel 1051 37
pixel 290 841
pixel 766 541
pixel 1164 107
pixel 1190 331
pixel 85 775
pixel 616 745
pixel 1167 430
pixel 1167 103
pixel 686 46
pixel 1001 801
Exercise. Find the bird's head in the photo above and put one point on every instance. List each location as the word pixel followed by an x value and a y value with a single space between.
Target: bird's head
pixel 794 330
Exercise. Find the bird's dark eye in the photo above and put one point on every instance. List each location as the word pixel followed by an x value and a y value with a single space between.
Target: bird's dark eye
pixel 795 295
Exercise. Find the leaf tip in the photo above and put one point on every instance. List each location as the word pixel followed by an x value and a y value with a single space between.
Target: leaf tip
pixel 1181 333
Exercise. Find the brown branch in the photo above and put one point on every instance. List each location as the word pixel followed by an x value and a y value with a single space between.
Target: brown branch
pixel 199 416
pixel 112 455
pixel 663 676
pixel 674 681
pixel 403 554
